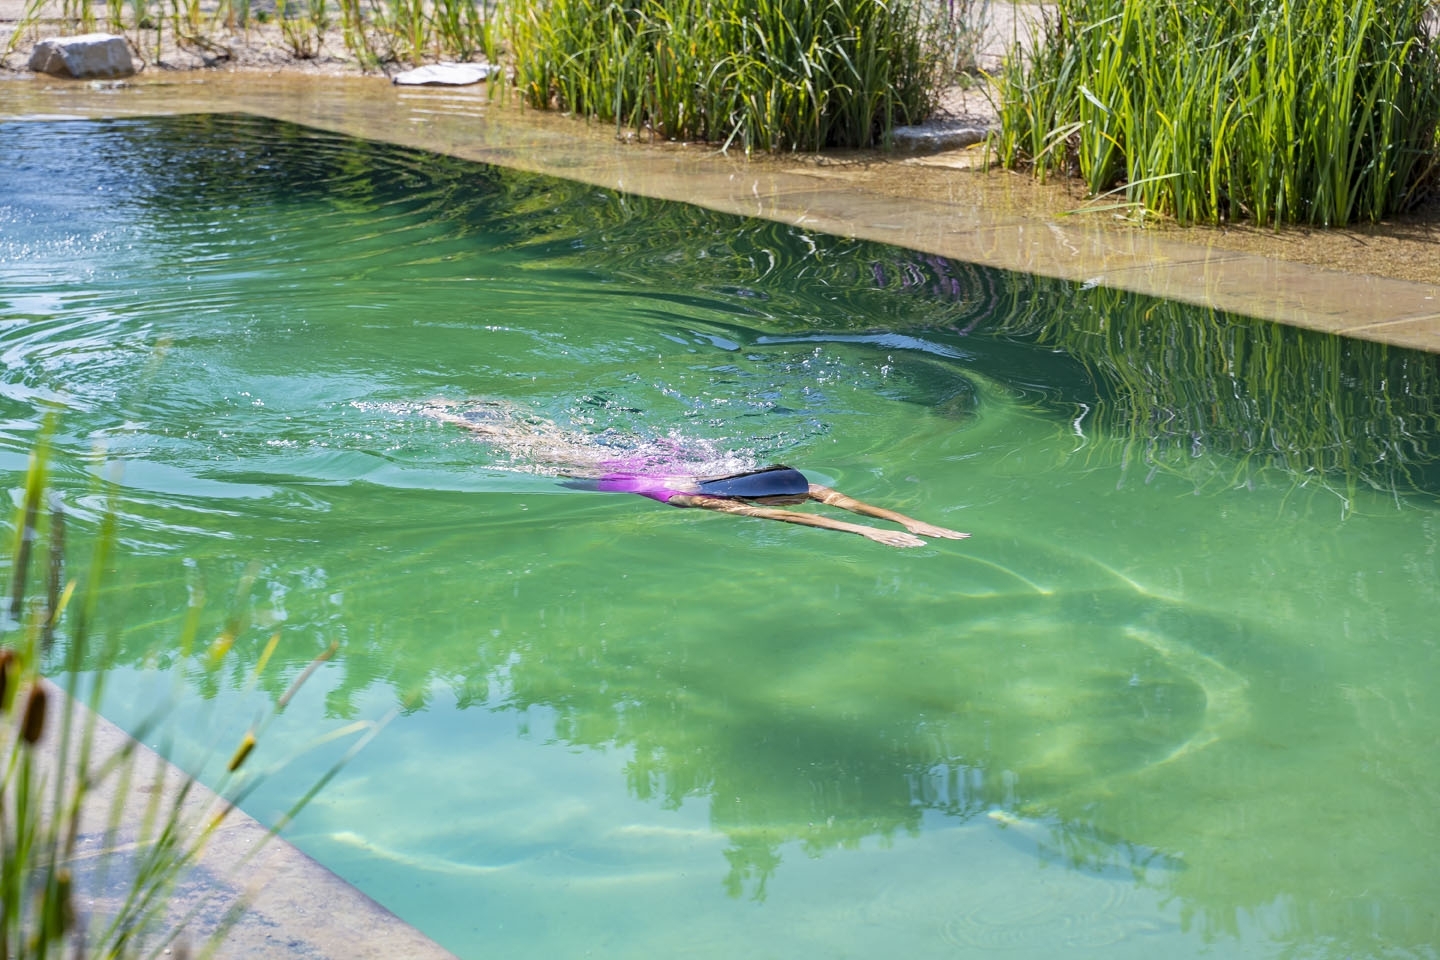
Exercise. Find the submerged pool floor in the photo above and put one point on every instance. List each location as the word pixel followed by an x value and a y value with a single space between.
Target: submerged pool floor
pixel 1176 696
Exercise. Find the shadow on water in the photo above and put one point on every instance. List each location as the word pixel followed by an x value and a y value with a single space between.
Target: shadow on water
pixel 822 743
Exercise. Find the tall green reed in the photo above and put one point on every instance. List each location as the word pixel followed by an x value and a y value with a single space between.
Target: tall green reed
pixel 414 31
pixel 304 25
pixel 1316 111
pixel 464 28
pixel 55 783
pixel 763 74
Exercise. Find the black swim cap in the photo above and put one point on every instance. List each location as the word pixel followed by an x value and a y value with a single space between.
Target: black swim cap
pixel 776 481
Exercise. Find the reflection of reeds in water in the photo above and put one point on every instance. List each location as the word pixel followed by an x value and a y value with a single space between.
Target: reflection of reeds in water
pixel 1180 382
pixel 93 841
pixel 1185 381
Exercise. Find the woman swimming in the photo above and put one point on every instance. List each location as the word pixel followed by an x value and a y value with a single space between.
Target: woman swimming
pixel 661 473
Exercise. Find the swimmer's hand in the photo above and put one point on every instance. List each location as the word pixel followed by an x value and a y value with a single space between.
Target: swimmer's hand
pixel 922 529
pixel 890 538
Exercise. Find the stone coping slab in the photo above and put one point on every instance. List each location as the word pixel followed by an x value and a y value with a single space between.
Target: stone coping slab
pixel 992 219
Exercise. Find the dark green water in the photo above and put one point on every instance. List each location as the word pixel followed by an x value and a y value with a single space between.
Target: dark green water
pixel 1176 697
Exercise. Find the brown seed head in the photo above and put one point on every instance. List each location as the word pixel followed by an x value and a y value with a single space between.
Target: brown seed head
pixel 64 893
pixel 7 666
pixel 241 752
pixel 34 725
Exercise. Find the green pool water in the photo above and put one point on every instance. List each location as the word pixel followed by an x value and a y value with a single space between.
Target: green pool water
pixel 1176 697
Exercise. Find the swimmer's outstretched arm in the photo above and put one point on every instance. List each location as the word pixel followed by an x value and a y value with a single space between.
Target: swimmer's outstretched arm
pixel 837 499
pixel 890 538
pixel 441 410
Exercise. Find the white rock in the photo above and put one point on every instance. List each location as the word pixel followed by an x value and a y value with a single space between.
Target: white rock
pixel 87 56
pixel 445 74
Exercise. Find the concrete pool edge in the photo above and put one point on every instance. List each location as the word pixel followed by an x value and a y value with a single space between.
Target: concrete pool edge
pixel 294 906
pixel 990 219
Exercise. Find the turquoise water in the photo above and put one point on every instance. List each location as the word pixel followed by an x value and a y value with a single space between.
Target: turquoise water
pixel 1176 697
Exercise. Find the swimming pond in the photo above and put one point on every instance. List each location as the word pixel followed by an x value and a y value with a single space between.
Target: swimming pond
pixel 1176 696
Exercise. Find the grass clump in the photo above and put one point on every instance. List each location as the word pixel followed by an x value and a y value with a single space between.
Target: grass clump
pixel 1313 111
pixel 764 74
